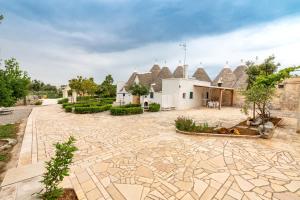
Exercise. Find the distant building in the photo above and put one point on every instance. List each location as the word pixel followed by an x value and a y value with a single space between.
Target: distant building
pixel 175 91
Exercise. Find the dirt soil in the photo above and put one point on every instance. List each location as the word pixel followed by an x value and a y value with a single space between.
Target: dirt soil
pixel 69 194
pixel 274 120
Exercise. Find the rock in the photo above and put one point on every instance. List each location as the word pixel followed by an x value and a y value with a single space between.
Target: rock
pixel 256 122
pixel 267 130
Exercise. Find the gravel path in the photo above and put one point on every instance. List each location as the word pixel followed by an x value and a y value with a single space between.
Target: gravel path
pixel 19 113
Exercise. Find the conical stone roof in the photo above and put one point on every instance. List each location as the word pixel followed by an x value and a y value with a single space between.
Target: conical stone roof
pixel 179 72
pixel 201 75
pixel 227 76
pixel 155 71
pixel 241 76
pixel 163 74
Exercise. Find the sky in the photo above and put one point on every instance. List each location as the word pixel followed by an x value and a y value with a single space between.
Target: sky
pixel 56 40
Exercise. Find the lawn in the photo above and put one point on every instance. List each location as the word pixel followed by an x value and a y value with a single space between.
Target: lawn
pixel 8 131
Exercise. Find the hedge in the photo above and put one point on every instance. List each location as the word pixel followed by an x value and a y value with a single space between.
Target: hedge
pixel 66 104
pixel 68 108
pixel 122 110
pixel 154 107
pixel 91 109
pixel 61 101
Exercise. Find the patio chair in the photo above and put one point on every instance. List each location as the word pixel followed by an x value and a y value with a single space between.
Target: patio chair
pixel 210 104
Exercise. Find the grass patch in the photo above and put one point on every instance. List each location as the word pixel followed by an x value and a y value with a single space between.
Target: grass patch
pixel 3 157
pixel 8 131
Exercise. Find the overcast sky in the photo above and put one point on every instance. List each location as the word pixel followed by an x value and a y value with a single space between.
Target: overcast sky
pixel 55 40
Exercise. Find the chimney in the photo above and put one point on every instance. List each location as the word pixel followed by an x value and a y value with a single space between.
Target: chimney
pixel 186 74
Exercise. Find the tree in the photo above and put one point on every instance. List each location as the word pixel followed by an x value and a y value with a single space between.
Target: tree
pixel 106 88
pixel 138 90
pixel 89 86
pixel 83 85
pixel 76 84
pixel 1 18
pixel 14 83
pixel 263 88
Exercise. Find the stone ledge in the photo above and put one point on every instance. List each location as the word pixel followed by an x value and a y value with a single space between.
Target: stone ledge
pixel 219 135
pixel 22 173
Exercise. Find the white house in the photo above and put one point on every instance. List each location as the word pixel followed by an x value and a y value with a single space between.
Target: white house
pixel 178 91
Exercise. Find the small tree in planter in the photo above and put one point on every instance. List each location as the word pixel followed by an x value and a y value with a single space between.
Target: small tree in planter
pixel 262 90
pixel 138 90
pixel 57 168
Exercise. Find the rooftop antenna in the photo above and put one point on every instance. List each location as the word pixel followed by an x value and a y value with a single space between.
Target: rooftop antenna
pixel 184 47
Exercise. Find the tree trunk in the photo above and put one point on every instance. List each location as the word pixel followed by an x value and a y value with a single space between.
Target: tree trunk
pixel 253 110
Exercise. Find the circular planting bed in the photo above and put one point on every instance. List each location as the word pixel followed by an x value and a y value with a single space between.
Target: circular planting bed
pixel 242 130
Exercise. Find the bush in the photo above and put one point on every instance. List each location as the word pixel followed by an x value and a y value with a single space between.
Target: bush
pixel 131 105
pixel 91 109
pixel 61 101
pixel 189 125
pixel 68 108
pixel 123 110
pixel 38 103
pixel 66 104
pixel 57 168
pixel 154 107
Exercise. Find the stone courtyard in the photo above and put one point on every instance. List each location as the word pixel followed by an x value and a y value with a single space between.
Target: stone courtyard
pixel 142 157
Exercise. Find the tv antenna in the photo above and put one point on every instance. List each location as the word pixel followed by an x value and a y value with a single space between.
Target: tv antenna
pixel 184 47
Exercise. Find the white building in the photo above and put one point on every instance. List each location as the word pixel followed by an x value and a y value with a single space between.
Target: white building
pixel 178 91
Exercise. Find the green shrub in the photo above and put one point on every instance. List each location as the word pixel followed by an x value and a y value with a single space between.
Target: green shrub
pixel 185 124
pixel 57 168
pixel 131 105
pixel 68 108
pixel 91 109
pixel 122 110
pixel 61 101
pixel 38 103
pixel 189 125
pixel 66 104
pixel 154 107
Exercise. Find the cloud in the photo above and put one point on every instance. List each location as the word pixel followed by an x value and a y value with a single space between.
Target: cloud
pixel 53 60
pixel 117 25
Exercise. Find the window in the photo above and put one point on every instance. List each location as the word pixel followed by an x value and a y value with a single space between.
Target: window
pixel 191 95
pixel 183 95
pixel 151 95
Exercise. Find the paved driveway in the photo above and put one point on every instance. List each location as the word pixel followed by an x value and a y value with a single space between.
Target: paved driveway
pixel 142 157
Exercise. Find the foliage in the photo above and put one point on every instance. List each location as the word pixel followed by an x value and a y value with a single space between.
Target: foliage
pixel 8 131
pixel 62 101
pixel 107 88
pixel 57 168
pixel 266 68
pixel 138 90
pixel 68 108
pixel 38 103
pixel 154 107
pixel 122 110
pixel 14 83
pixel 262 83
pixel 189 125
pixel 1 18
pixel 91 109
pixel 41 89
pixel 83 85
pixel 4 157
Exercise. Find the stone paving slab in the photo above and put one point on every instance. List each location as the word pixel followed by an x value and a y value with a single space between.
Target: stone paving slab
pixel 142 157
pixel 22 173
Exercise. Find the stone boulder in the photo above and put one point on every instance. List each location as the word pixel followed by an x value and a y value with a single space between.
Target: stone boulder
pixel 266 131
